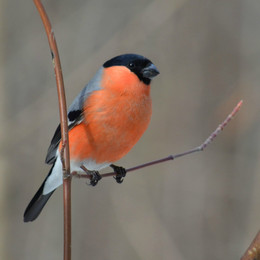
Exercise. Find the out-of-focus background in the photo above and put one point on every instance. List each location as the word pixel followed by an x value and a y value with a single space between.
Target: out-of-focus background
pixel 203 206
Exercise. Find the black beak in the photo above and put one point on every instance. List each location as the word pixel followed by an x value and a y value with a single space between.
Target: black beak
pixel 150 71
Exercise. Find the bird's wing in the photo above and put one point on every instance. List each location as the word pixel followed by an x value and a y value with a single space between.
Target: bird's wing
pixel 75 114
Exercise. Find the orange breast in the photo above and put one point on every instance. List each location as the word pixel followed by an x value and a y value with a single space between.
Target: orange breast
pixel 115 117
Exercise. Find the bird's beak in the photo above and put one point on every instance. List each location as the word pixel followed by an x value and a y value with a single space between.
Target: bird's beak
pixel 150 71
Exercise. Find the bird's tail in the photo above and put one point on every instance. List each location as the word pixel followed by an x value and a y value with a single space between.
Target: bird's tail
pixel 37 203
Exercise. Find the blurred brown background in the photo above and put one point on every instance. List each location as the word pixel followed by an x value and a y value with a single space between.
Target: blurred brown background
pixel 203 206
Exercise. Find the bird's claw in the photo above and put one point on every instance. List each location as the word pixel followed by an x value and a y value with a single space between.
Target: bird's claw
pixel 95 178
pixel 120 173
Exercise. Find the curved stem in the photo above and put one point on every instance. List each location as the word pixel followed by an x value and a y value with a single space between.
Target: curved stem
pixel 253 251
pixel 64 129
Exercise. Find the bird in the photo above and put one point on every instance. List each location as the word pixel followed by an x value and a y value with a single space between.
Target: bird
pixel 105 121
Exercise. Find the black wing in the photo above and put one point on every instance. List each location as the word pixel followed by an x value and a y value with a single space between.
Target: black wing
pixel 75 117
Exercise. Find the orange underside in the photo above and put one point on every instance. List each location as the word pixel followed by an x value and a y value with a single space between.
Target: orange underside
pixel 115 118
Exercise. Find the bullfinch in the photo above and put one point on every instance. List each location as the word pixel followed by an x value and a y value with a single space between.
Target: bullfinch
pixel 105 121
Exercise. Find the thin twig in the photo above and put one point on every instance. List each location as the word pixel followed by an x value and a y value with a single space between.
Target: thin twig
pixel 172 157
pixel 253 251
pixel 64 129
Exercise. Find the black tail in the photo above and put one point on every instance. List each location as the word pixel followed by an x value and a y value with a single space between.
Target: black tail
pixel 37 203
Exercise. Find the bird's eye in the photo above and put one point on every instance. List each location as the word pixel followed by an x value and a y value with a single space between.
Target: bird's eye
pixel 131 65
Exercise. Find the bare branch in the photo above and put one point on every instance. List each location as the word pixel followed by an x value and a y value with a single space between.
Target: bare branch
pixel 65 158
pixel 172 157
pixel 253 251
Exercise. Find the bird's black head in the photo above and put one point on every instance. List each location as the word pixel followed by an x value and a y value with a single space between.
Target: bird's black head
pixel 141 66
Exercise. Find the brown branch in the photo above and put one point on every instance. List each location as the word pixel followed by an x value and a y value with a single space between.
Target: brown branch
pixel 253 251
pixel 64 129
pixel 172 157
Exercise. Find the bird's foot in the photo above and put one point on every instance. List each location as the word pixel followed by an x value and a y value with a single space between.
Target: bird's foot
pixel 95 176
pixel 120 173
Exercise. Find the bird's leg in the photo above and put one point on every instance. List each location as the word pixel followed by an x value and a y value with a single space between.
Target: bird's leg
pixel 95 178
pixel 95 175
pixel 120 173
